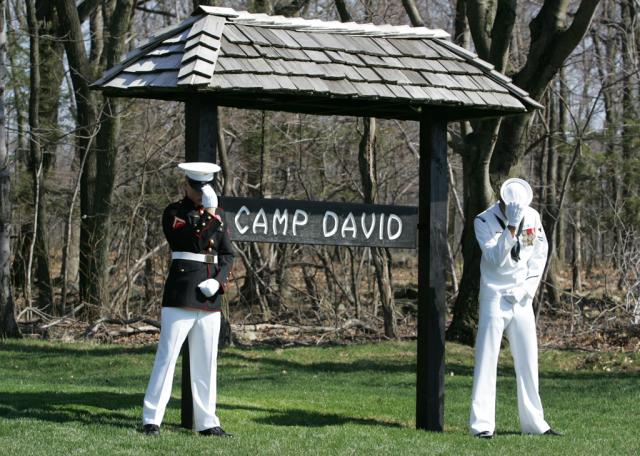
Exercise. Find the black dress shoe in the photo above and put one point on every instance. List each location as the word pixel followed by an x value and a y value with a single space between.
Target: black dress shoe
pixel 215 431
pixel 484 435
pixel 550 431
pixel 151 429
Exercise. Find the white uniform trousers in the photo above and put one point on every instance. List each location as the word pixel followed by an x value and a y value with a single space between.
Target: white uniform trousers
pixel 519 323
pixel 203 329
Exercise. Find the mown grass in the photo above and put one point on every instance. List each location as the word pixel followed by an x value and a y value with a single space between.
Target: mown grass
pixel 80 398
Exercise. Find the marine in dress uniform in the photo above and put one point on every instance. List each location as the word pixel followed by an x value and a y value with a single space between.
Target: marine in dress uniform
pixel 202 257
pixel 514 252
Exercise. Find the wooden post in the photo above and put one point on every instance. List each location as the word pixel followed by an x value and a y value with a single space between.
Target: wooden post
pixel 201 118
pixel 432 254
pixel 201 132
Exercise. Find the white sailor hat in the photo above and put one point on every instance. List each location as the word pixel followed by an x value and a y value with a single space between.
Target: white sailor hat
pixel 516 190
pixel 200 172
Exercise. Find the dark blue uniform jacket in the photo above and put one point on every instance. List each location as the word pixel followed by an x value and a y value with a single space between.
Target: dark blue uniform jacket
pixel 191 229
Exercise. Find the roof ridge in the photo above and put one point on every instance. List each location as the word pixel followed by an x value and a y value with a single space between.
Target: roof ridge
pixel 296 23
pixel 201 51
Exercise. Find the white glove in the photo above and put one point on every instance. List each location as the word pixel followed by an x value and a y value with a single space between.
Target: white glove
pixel 514 213
pixel 209 197
pixel 514 295
pixel 209 287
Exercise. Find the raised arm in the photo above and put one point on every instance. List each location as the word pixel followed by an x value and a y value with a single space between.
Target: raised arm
pixel 496 247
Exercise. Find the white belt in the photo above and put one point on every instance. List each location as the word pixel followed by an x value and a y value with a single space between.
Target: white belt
pixel 194 257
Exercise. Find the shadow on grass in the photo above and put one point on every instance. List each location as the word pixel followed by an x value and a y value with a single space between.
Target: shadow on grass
pixel 500 433
pixel 408 366
pixel 60 407
pixel 52 349
pixel 360 365
pixel 71 407
pixel 307 418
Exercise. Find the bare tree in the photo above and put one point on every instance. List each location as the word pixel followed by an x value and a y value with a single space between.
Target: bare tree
pixel 39 240
pixel 109 24
pixel 380 256
pixel 495 148
pixel 8 324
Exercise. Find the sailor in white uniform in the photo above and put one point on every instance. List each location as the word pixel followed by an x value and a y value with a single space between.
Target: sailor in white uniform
pixel 514 252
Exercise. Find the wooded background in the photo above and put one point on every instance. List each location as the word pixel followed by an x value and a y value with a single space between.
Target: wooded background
pixel 84 178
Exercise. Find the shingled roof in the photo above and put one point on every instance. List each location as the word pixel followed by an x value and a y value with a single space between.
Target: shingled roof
pixel 273 62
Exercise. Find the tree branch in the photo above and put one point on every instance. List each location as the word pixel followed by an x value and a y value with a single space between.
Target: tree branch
pixel 552 42
pixel 501 33
pixel 480 14
pixel 86 8
pixel 343 12
pixel 291 8
pixel 158 12
pixel 413 13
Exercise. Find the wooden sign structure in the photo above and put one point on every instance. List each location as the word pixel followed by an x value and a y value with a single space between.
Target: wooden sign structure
pixel 329 68
pixel 201 145
pixel 320 223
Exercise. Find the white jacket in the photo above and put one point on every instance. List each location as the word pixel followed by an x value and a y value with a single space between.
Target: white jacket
pixel 498 271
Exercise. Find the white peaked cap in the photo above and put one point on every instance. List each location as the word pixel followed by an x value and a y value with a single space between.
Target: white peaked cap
pixel 199 171
pixel 516 190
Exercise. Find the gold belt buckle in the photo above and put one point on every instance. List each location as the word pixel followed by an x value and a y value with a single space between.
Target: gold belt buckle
pixel 209 258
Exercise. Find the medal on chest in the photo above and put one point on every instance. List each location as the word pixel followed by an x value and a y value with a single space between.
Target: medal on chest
pixel 528 236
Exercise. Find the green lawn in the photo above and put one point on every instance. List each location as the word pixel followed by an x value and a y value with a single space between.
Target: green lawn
pixel 68 399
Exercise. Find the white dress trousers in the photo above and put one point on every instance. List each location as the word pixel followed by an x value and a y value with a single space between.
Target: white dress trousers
pixel 499 273
pixel 202 328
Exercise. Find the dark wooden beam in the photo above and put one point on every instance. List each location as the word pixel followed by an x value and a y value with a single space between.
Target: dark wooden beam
pixel 201 137
pixel 201 142
pixel 324 105
pixel 432 252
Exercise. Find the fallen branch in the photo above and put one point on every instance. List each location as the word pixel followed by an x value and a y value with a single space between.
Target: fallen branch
pixel 265 327
pixel 130 331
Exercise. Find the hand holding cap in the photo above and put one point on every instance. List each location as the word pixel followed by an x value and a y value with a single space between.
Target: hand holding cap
pixel 209 197
pixel 514 213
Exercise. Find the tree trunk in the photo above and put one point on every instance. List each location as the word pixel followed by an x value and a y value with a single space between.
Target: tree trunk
pixel 367 162
pixel 478 195
pixel 38 247
pixel 355 282
pixel 223 155
pixel 369 178
pixel 561 245
pixel 312 288
pixel 8 324
pixel 550 211
pixel 259 258
pixel 606 53
pixel 576 263
pixel 96 185
pixel 50 75
pixel 629 118
pixel 13 51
